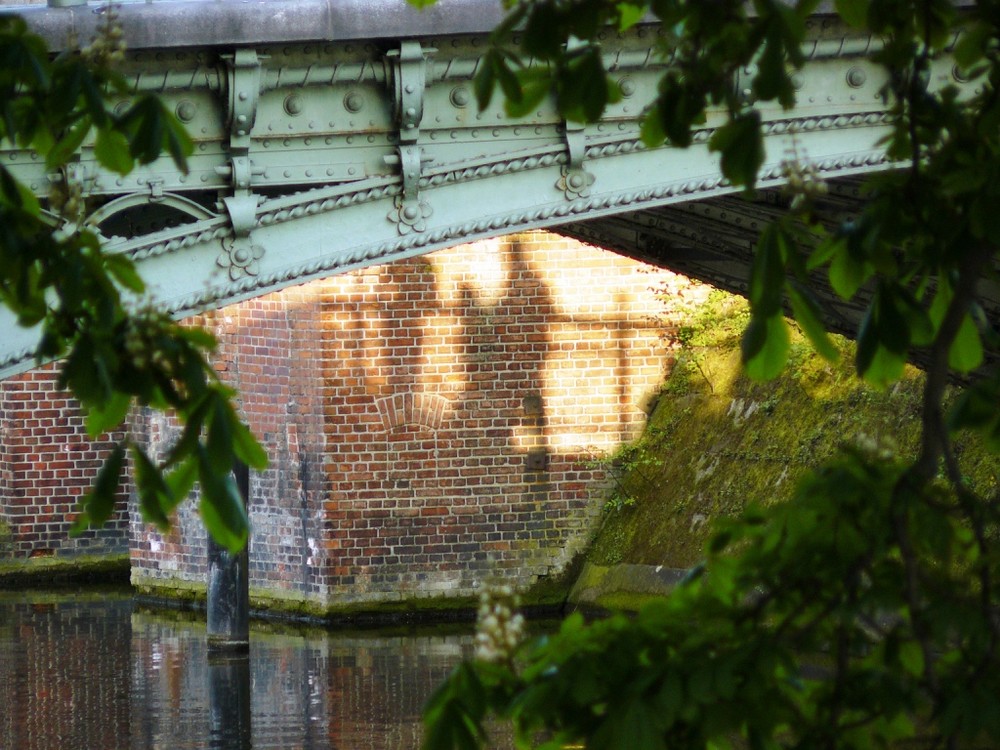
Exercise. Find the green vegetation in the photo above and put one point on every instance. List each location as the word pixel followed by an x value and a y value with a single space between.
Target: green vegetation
pixel 861 612
pixel 116 350
pixel 49 571
pixel 718 441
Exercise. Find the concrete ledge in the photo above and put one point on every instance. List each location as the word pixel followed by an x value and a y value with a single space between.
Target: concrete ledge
pixel 622 586
pixel 39 572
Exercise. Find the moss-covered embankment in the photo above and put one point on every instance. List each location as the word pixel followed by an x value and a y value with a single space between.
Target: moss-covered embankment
pixel 717 441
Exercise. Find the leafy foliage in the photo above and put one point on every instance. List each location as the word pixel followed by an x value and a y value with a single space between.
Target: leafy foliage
pixel 862 613
pixel 53 273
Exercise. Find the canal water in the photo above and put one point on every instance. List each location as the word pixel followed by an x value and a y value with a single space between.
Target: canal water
pixel 94 671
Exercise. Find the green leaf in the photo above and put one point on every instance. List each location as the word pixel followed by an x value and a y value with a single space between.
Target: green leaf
pixel 246 447
pixel 535 85
pixel 69 144
pixel 765 346
pixel 485 80
pixel 854 12
pixel 767 276
pixel 809 316
pixel 221 507
pixel 181 481
pixel 219 444
pixel 966 352
pixel 112 151
pixel 152 489
pixel 741 144
pixel 98 504
pixel 123 269
pixel 884 367
pixel 629 14
pixel 847 274
pixel 911 656
pixel 109 414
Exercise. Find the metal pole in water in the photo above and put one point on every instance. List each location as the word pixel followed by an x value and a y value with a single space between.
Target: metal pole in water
pixel 229 586
pixel 230 720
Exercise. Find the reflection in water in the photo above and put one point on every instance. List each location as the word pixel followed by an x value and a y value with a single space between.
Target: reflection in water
pixel 90 671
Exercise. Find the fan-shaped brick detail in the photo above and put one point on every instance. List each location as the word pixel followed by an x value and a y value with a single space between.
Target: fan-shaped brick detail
pixel 421 409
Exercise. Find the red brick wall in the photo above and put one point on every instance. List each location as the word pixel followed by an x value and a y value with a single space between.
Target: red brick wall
pixel 47 463
pixel 430 422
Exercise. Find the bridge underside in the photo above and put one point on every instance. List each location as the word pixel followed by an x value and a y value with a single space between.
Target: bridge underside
pixel 333 151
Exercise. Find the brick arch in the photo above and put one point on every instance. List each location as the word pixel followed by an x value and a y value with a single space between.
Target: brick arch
pixel 411 409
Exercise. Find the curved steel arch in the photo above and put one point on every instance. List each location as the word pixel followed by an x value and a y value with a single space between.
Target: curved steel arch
pixel 333 150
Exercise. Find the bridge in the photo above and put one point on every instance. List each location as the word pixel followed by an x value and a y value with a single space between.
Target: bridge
pixel 335 135
pixel 332 135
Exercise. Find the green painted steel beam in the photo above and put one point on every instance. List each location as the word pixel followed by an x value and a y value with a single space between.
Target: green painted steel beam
pixel 315 158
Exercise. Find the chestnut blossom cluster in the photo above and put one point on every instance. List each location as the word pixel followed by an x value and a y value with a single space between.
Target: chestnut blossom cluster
pixel 499 628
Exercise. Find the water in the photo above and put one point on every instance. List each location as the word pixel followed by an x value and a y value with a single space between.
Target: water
pixel 93 671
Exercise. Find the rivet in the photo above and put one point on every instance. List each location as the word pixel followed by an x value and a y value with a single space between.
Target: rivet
pixel 286 143
pixel 241 132
pixel 350 171
pixel 353 101
pixel 309 173
pixel 307 141
pixel 241 119
pixel 119 182
pixel 204 178
pixel 202 146
pixel 293 104
pixel 408 88
pixel 241 255
pixel 185 111
pixel 266 144
pixel 328 141
pixel 371 139
pixel 243 96
pixel 410 212
pixel 798 81
pixel 411 112
pixel 856 78
pixel 350 140
pixel 287 173
pixel 460 96
pixel 496 132
pixel 627 86
pixel 244 183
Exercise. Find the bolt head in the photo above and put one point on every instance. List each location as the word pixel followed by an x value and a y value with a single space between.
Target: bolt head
pixel 185 111
pixel 460 96
pixel 856 78
pixel 293 104
pixel 353 101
